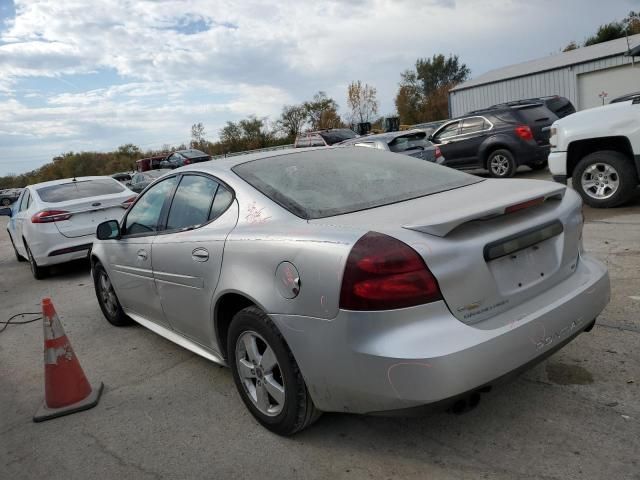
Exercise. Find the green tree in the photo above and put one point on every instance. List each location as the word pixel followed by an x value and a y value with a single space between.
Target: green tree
pixel 322 112
pixel 292 120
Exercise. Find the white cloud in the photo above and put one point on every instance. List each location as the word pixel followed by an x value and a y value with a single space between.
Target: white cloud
pixel 181 61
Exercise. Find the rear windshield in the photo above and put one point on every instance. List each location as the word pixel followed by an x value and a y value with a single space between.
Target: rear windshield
pixel 323 183
pixel 79 189
pixel 537 115
pixel 335 136
pixel 415 141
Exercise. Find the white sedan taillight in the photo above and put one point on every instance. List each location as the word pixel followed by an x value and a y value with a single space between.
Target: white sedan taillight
pixel 128 202
pixel 49 216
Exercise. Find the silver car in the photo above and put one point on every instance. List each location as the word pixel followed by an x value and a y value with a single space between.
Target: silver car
pixel 412 142
pixel 351 279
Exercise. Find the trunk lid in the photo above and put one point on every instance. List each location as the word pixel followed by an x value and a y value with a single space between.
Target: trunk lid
pixel 487 261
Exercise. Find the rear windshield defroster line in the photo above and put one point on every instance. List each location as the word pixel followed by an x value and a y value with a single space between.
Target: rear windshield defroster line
pixel 323 183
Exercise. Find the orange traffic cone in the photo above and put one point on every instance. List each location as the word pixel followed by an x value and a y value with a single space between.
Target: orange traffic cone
pixel 66 388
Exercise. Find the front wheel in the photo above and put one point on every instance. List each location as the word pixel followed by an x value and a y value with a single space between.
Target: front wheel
pixel 501 164
pixel 267 375
pixel 605 179
pixel 107 298
pixel 5 202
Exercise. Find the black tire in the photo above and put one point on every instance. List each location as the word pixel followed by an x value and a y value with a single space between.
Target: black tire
pixel 298 411
pixel 38 272
pixel 5 202
pixel 612 166
pixel 19 257
pixel 539 166
pixel 111 310
pixel 501 164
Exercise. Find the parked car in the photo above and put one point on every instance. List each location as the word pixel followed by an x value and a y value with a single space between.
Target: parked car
pixel 409 142
pixel 428 127
pixel 561 106
pixel 9 195
pixel 324 138
pixel 55 222
pixel 123 177
pixel 599 149
pixel 141 180
pixel 180 158
pixel 351 279
pixel 498 140
pixel 150 163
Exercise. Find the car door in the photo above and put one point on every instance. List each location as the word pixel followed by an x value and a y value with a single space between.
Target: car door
pixel 188 254
pixel 131 256
pixel 473 131
pixel 446 138
pixel 16 222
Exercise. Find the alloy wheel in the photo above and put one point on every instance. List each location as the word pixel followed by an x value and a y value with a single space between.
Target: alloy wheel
pixel 260 373
pixel 107 294
pixel 499 165
pixel 5 202
pixel 600 181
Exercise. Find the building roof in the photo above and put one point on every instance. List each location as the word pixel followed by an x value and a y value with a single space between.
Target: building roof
pixel 553 62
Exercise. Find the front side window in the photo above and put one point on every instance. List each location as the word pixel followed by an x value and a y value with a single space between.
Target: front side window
pixel 144 216
pixel 192 202
pixel 448 131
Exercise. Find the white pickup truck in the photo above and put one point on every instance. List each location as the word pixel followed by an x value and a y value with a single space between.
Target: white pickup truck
pixel 599 149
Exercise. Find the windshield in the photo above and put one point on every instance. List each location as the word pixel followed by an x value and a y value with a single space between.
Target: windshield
pixel 334 136
pixel 322 183
pixel 414 141
pixel 79 189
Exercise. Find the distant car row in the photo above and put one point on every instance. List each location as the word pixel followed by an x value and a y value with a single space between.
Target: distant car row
pixel 9 195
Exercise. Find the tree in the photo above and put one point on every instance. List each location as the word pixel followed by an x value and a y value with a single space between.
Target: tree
pixel 292 120
pixel 629 25
pixel 197 136
pixel 570 46
pixel 322 112
pixel 423 94
pixel 362 101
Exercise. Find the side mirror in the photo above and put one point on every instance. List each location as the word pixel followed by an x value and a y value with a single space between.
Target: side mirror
pixel 430 138
pixel 109 230
pixel 5 212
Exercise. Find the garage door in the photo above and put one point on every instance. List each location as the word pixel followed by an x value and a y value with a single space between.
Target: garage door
pixel 613 81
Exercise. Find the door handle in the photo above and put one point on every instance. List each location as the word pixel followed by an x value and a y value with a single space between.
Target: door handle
pixel 200 255
pixel 142 254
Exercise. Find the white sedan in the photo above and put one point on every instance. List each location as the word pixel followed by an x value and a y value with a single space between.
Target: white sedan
pixel 55 222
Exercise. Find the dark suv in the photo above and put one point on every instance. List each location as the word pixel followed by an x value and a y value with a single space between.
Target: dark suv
pixel 324 138
pixel 561 106
pixel 498 140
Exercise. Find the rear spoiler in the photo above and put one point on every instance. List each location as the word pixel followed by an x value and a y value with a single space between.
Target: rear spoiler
pixel 445 221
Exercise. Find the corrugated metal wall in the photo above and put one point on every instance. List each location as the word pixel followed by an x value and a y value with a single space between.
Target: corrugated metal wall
pixel 562 81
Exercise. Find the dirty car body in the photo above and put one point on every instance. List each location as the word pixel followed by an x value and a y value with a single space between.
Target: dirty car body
pixel 385 299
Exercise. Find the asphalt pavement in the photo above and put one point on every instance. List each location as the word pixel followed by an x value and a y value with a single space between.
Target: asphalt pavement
pixel 167 413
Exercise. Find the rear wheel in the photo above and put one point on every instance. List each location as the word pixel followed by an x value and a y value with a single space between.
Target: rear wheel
pixel 5 202
pixel 19 257
pixel 605 179
pixel 501 164
pixel 38 272
pixel 266 374
pixel 107 298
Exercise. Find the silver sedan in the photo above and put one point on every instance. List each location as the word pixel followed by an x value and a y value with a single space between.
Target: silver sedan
pixel 351 279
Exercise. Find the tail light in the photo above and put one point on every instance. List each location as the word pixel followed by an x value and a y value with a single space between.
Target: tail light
pixel 49 216
pixel 438 152
pixel 524 132
pixel 127 203
pixel 187 162
pixel 383 273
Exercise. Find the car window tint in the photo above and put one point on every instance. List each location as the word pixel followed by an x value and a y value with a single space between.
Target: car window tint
pixel 79 189
pixel 144 216
pixel 221 202
pixel 448 131
pixel 321 183
pixel 192 202
pixel 472 125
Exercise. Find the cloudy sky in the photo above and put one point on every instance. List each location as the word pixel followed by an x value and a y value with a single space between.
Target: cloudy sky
pixel 92 75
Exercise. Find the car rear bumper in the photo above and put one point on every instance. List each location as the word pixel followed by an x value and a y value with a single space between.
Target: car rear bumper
pixel 532 154
pixel 366 362
pixel 50 247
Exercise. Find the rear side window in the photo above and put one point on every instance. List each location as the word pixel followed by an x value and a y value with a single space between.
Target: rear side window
pixel 316 141
pixel 26 201
pixel 302 142
pixel 221 202
pixel 415 141
pixel 472 125
pixel 79 190
pixel 192 202
pixel 322 183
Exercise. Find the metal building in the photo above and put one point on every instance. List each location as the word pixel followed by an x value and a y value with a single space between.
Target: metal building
pixel 587 76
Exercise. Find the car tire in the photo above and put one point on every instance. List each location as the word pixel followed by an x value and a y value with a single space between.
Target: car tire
pixel 5 202
pixel 501 164
pixel 19 257
pixel 107 299
pixel 605 179
pixel 539 166
pixel 38 272
pixel 258 373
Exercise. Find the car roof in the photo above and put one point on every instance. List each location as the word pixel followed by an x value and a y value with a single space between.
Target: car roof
pixel 387 136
